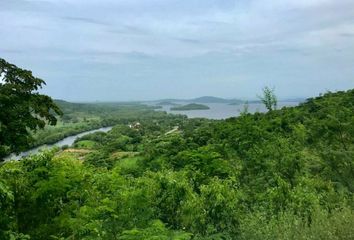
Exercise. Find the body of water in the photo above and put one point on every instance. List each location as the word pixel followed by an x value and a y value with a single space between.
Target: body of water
pixel 66 141
pixel 223 110
pixel 216 111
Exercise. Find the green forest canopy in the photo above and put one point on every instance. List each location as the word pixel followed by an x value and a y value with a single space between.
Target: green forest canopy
pixel 285 174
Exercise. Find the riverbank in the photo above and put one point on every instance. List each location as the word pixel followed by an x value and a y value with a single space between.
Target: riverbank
pixel 53 134
pixel 65 141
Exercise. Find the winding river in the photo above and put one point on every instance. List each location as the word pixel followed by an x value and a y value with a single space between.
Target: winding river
pixel 66 141
pixel 216 111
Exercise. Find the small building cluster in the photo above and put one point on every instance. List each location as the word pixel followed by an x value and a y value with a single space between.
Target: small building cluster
pixel 135 125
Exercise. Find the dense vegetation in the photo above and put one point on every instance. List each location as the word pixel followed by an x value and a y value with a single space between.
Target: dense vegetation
pixel 29 119
pixel 285 174
pixel 80 117
pixel 22 108
pixel 190 106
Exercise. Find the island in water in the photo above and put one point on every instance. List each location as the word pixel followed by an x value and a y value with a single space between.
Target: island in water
pixel 167 103
pixel 191 106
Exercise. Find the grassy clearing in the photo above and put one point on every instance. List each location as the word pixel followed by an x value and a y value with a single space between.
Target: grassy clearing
pixel 129 165
pixel 86 144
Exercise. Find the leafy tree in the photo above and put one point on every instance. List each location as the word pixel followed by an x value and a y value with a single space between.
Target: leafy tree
pixel 157 230
pixel 215 210
pixel 269 98
pixel 285 174
pixel 22 108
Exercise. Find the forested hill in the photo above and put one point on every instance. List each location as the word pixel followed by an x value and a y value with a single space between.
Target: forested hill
pixel 285 174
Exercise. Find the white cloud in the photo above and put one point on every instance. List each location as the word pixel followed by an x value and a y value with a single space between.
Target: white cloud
pixel 70 34
pixel 215 25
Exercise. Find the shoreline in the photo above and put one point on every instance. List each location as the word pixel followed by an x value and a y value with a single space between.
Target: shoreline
pixel 64 141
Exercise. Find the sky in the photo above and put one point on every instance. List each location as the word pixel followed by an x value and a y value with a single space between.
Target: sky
pixel 122 50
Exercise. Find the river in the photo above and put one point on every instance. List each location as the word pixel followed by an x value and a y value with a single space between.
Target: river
pixel 66 141
pixel 216 111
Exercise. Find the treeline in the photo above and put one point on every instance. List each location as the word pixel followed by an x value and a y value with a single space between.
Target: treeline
pixel 81 117
pixel 285 174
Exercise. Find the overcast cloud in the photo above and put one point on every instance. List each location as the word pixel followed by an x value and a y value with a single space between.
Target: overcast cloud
pixel 88 50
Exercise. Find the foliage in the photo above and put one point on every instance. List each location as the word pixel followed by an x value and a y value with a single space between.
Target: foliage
pixel 269 99
pixel 22 108
pixel 285 174
pixel 287 226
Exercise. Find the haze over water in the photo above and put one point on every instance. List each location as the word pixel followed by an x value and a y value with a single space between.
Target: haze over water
pixel 223 110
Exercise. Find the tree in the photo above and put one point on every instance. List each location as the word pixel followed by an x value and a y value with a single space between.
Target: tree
pixel 22 108
pixel 269 98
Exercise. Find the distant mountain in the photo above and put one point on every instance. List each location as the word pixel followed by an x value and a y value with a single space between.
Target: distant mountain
pixel 204 99
pixel 210 99
pixel 166 103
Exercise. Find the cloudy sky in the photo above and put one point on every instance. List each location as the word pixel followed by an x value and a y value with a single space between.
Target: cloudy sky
pixel 88 50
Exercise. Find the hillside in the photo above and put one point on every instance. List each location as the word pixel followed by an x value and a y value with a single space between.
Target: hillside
pixel 190 107
pixel 166 103
pixel 210 99
pixel 285 174
pixel 204 99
